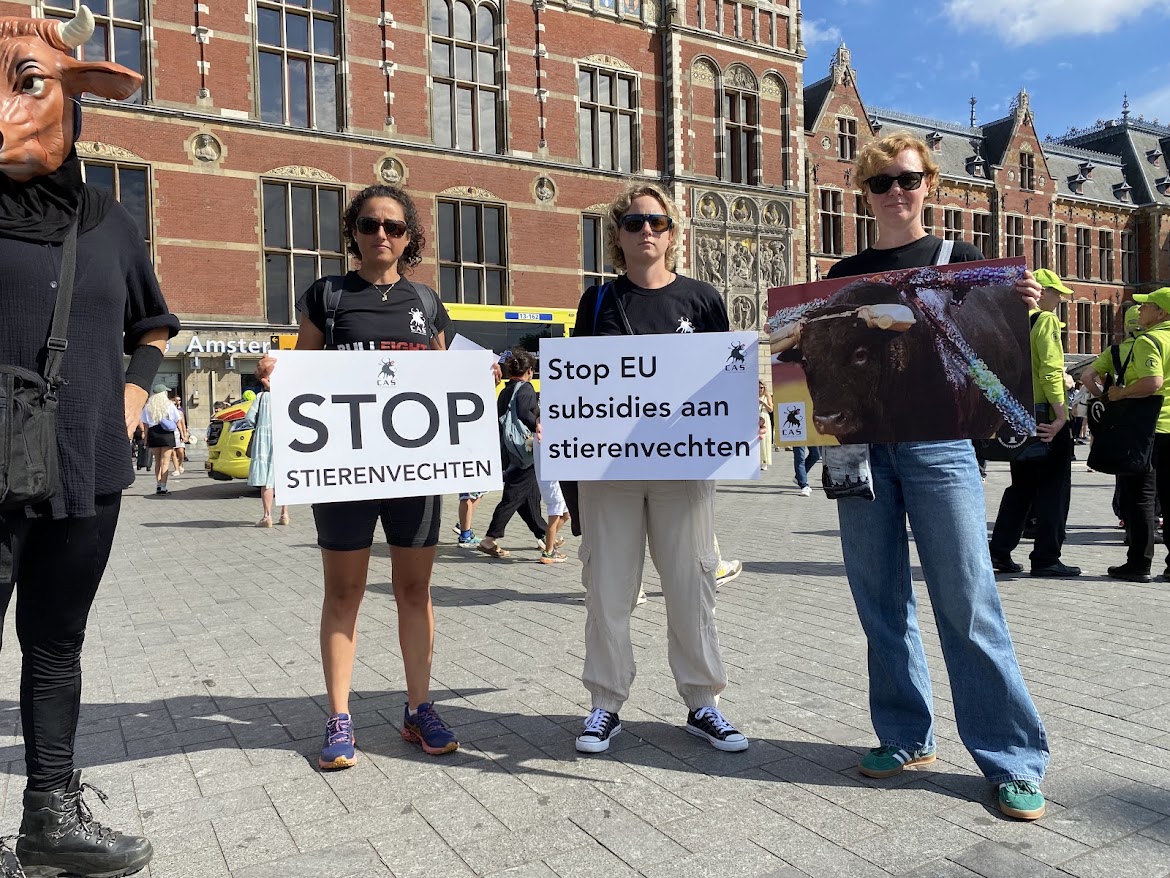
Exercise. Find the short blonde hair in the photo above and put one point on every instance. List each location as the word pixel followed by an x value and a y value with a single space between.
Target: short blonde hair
pixel 874 156
pixel 618 208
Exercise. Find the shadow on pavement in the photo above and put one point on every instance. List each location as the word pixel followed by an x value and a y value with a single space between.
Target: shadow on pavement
pixel 203 524
pixel 522 744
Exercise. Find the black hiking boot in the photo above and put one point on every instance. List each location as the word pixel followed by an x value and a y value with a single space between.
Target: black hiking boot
pixel 59 837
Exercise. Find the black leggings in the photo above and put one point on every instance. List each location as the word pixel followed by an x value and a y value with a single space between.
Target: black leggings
pixel 58 565
pixel 521 494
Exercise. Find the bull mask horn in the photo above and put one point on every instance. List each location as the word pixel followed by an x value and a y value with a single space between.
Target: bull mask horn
pixel 785 338
pixel 78 29
pixel 898 318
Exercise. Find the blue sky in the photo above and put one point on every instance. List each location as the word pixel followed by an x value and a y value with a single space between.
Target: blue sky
pixel 1075 57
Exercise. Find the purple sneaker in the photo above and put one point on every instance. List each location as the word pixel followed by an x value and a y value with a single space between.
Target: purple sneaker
pixel 427 730
pixel 338 751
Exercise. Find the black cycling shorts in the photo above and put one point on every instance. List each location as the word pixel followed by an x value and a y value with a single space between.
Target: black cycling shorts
pixel 408 522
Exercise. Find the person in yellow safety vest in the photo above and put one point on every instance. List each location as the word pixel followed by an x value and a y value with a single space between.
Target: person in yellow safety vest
pixel 1043 484
pixel 1145 362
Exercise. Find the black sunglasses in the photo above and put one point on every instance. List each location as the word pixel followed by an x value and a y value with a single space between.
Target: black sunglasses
pixel 633 222
pixel 369 225
pixel 880 184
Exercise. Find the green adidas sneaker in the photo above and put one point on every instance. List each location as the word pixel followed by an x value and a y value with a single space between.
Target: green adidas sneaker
pixel 1021 799
pixel 887 761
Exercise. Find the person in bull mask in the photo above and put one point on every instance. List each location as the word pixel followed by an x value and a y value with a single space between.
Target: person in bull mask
pixel 53 552
pixel 1043 485
pixel 936 486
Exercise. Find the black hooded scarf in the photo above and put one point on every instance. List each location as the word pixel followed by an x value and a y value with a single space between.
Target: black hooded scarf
pixel 41 210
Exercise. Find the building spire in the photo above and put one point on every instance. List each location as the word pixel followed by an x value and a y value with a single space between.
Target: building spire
pixel 1125 108
pixel 840 68
pixel 973 103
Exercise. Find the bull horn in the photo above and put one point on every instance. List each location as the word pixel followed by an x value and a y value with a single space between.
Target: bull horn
pixel 77 30
pixel 785 337
pixel 898 318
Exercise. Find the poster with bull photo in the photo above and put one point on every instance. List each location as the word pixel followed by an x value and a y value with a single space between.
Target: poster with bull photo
pixel 915 355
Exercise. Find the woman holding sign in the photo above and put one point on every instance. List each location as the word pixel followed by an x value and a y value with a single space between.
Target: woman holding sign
pixel 936 486
pixel 678 517
pixel 376 308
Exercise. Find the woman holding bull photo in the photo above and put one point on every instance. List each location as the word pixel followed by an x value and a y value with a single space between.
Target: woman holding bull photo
pixel 936 487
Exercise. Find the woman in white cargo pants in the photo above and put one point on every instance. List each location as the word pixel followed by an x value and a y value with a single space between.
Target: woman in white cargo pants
pixel 677 517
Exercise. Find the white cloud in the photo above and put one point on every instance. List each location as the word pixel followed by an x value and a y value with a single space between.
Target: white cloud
pixel 816 32
pixel 1040 20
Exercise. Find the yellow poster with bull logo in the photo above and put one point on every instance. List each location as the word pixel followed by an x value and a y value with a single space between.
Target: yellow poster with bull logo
pixel 916 355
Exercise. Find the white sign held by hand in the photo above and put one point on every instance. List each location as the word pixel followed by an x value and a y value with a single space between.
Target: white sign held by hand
pixel 655 407
pixel 365 425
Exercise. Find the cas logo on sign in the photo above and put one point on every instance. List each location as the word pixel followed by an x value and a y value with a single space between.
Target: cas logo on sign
pixel 792 427
pixel 737 359
pixel 387 374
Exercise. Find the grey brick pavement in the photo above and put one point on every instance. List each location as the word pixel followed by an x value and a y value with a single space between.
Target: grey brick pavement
pixel 203 714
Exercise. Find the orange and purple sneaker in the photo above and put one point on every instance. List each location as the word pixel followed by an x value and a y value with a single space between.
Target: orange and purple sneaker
pixel 426 729
pixel 338 751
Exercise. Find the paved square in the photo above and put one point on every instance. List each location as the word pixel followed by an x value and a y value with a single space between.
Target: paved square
pixel 203 713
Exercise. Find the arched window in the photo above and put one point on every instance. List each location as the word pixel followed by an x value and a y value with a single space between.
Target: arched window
pixel 739 152
pixel 465 69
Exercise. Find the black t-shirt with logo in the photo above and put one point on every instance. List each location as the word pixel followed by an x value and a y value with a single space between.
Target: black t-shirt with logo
pixel 684 305
pixel 916 254
pixel 364 322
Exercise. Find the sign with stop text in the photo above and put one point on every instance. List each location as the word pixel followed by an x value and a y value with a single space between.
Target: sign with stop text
pixel 654 407
pixel 365 425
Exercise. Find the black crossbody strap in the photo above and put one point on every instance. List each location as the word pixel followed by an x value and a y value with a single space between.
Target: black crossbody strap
pixel 331 305
pixel 58 334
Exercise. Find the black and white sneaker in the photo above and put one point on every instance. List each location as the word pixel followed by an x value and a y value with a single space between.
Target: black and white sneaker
pixel 600 726
pixel 709 723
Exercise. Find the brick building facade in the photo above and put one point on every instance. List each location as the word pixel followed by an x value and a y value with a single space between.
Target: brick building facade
pixel 258 120
pixel 514 122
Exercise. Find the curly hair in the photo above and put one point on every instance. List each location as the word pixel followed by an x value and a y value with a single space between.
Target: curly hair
pixel 412 255
pixel 881 153
pixel 617 210
pixel 519 361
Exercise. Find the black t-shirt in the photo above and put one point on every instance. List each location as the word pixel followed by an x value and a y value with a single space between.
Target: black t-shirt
pixel 917 254
pixel 116 300
pixel 366 322
pixel 684 305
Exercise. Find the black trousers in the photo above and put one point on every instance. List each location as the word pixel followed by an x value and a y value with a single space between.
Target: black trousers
pixel 1138 498
pixel 521 494
pixel 57 566
pixel 1045 487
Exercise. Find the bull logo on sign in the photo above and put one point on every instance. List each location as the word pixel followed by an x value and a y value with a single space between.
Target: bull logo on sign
pixel 417 323
pixel 736 359
pixel 387 375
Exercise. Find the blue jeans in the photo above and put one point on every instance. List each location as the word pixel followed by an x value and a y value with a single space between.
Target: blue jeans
pixel 937 486
pixel 802 461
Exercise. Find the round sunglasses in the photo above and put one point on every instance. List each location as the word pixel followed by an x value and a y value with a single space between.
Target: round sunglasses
pixel 369 225
pixel 633 222
pixel 880 184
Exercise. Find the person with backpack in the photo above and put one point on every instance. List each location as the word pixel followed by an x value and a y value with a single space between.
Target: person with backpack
pixel 376 308
pixel 1139 368
pixel 518 408
pixel 1043 485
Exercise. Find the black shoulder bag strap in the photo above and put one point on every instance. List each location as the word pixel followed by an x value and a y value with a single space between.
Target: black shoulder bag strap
pixel 617 301
pixel 331 305
pixel 58 334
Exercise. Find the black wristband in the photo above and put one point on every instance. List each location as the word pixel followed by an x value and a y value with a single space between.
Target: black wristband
pixel 144 363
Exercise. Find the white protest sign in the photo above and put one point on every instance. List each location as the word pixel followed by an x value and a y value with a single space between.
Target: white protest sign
pixel 654 407
pixel 365 425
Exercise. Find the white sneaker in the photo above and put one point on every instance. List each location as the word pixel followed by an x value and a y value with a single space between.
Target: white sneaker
pixel 806 491
pixel 641 597
pixel 726 572
pixel 709 723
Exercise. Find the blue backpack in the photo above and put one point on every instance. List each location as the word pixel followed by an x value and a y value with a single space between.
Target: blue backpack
pixel 517 439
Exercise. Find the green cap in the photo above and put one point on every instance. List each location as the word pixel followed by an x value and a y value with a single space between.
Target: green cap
pixel 160 388
pixel 1047 278
pixel 1160 297
pixel 1133 320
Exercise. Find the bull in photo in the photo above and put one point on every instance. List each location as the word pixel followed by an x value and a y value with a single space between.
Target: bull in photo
pixel 924 354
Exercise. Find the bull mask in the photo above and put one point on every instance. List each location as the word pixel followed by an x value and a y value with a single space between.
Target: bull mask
pixel 37 121
pixel 896 318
